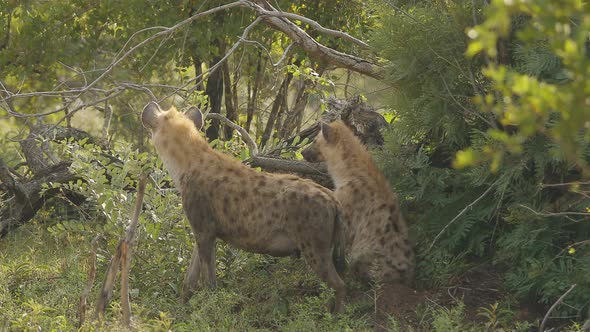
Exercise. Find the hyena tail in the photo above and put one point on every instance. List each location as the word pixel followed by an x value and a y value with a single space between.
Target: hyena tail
pixel 338 240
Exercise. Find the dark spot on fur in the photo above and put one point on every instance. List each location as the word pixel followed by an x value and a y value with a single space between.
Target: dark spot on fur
pixel 396 227
pixel 165 144
pixel 387 228
pixel 382 241
pixel 408 253
pixel 299 228
pixel 382 206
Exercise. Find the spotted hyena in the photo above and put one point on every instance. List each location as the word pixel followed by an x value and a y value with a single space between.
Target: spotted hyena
pixel 377 243
pixel 273 214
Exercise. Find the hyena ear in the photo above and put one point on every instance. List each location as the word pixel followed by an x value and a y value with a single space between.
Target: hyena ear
pixel 149 115
pixel 327 132
pixel 196 117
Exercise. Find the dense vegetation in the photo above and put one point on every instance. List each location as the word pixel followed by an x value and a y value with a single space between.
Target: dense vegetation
pixel 488 148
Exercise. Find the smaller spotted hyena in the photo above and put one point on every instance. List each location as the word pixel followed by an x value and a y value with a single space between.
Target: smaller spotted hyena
pixel 274 214
pixel 377 243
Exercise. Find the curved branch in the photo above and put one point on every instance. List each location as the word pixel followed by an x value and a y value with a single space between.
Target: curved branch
pixel 314 48
pixel 315 25
pixel 542 328
pixel 245 136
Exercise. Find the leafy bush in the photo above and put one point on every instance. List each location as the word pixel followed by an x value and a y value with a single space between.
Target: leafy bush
pixel 521 205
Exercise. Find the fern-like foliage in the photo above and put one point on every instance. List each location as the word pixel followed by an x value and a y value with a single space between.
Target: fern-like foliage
pixel 517 218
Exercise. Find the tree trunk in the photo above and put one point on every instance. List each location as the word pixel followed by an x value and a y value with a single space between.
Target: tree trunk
pixel 276 106
pixel 291 120
pixel 230 105
pixel 253 97
pixel 214 91
pixel 198 71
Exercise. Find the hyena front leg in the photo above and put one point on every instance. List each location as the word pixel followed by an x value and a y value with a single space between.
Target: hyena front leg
pixel 191 278
pixel 207 260
pixel 201 270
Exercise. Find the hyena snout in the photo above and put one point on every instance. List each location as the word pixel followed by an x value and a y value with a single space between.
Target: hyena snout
pixel 312 153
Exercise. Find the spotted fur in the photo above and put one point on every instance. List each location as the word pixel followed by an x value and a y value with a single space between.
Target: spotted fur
pixel 377 244
pixel 260 212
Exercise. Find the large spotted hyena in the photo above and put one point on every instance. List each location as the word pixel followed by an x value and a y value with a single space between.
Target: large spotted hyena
pixel 273 214
pixel 377 243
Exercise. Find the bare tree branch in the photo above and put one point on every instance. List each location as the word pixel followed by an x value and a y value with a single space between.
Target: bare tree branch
pixel 277 19
pixel 542 328
pixel 315 25
pixel 311 46
pixel 462 212
pixel 245 135
pixel 287 165
pixel 91 275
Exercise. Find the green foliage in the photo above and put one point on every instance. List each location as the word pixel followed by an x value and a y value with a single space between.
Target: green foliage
pixel 546 90
pixel 515 134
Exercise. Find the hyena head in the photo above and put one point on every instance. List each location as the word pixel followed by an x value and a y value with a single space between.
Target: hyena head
pixel 328 145
pixel 175 136
pixel 160 122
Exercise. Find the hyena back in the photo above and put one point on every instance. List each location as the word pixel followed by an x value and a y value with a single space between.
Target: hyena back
pixel 273 214
pixel 377 242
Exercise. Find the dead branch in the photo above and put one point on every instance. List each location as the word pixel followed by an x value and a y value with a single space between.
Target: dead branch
pixel 310 45
pixel 91 275
pixel 25 205
pixel 542 328
pixel 123 257
pixel 106 291
pixel 468 207
pixel 289 166
pixel 218 64
pixel 125 305
pixel 315 25
pixel 556 214
pixel 245 135
pixel 127 250
pixel 361 118
pixel 277 19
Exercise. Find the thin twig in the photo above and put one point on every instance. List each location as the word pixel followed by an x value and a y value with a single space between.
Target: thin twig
pixel 544 185
pixel 91 276
pixel 542 328
pixel 554 214
pixel 315 25
pixel 245 135
pixel 462 212
pixel 219 63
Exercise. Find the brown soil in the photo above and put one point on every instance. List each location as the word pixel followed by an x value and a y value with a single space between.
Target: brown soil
pixel 477 289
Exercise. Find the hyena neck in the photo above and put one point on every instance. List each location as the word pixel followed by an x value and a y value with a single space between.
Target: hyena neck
pixel 181 157
pixel 356 167
pixel 343 172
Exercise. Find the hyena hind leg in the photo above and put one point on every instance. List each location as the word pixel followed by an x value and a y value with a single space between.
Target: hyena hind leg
pixel 322 263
